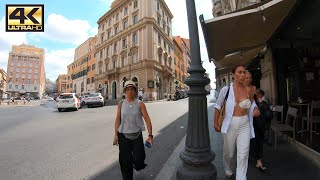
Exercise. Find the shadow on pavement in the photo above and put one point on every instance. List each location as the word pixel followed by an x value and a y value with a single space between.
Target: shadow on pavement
pixel 111 103
pixel 164 144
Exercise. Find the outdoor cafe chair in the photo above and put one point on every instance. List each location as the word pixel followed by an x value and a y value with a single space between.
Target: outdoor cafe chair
pixel 314 118
pixel 281 126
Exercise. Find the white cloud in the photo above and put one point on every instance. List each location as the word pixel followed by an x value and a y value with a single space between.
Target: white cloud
pixel 180 27
pixel 56 62
pixel 7 39
pixel 3 60
pixel 59 28
pixel 93 31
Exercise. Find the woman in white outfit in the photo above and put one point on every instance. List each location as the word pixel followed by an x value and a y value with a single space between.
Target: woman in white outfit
pixel 237 126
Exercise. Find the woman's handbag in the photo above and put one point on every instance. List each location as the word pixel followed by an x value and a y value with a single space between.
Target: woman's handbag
pixel 222 112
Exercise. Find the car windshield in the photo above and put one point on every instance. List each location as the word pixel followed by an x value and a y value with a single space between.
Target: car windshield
pixel 65 96
pixel 94 95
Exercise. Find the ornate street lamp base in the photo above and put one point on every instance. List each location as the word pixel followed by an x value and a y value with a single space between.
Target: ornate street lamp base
pixel 188 172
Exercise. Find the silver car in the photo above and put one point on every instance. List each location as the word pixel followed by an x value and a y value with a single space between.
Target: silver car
pixel 94 99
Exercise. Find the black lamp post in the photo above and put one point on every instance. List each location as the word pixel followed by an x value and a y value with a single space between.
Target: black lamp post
pixel 197 155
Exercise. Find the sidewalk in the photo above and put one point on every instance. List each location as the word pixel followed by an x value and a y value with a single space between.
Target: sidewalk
pixel 20 103
pixel 284 164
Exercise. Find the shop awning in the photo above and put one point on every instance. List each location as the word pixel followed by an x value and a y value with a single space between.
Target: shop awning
pixel 240 57
pixel 238 37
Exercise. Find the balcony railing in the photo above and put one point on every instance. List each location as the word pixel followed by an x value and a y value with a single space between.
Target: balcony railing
pixel 99 76
pixel 113 71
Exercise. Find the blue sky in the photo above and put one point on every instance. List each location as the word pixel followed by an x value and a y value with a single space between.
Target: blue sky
pixel 68 23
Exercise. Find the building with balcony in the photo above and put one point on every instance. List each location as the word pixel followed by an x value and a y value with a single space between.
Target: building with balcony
pixel 81 72
pixel 3 83
pixel 61 83
pixel 25 71
pixel 182 60
pixel 135 42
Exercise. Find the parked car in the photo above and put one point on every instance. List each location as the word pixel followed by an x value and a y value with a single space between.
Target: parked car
pixel 180 94
pixel 94 99
pixel 68 101
pixel 50 99
pixel 83 100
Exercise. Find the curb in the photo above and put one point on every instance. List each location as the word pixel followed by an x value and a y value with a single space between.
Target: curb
pixel 169 168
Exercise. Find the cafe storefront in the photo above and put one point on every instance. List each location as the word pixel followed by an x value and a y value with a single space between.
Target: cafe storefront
pixel 279 42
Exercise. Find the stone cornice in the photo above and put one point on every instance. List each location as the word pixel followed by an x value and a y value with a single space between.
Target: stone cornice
pixel 113 8
pixel 164 4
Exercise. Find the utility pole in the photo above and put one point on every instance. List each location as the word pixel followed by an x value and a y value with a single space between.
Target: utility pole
pixel 197 156
pixel 130 65
pixel 130 54
pixel 82 87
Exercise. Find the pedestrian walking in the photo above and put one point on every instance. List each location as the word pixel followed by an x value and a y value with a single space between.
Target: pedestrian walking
pixel 250 88
pixel 259 124
pixel 128 132
pixel 237 126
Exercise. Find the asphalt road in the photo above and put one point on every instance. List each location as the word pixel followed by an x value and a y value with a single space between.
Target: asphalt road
pixel 38 142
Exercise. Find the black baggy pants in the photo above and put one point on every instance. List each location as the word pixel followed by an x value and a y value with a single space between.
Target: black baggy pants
pixel 257 142
pixel 131 155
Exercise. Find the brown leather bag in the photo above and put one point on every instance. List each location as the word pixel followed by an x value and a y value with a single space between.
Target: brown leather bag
pixel 222 112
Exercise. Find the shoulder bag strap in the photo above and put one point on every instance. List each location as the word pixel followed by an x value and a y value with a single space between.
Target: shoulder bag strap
pixel 226 97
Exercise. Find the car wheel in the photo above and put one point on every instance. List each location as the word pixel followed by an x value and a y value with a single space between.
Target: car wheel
pixel 89 106
pixel 59 109
pixel 83 103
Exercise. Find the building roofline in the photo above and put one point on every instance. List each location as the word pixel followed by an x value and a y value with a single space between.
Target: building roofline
pixel 117 5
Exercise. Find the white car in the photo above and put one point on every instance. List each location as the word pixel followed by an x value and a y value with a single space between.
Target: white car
pixel 94 99
pixel 83 100
pixel 68 101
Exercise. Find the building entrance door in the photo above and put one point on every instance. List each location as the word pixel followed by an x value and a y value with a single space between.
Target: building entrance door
pixel 114 90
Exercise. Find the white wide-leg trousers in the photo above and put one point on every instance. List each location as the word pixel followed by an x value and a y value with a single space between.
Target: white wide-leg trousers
pixel 238 134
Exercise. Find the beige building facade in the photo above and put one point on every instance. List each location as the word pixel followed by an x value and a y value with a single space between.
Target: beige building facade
pixel 135 42
pixel 61 83
pixel 182 60
pixel 25 71
pixel 3 83
pixel 80 75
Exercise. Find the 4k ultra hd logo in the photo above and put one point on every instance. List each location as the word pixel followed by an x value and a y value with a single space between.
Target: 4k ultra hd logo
pixel 24 17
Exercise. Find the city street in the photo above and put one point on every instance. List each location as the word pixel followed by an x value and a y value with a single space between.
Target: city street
pixel 38 142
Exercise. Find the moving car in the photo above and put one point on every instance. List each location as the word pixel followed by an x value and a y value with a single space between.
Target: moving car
pixel 68 101
pixel 94 99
